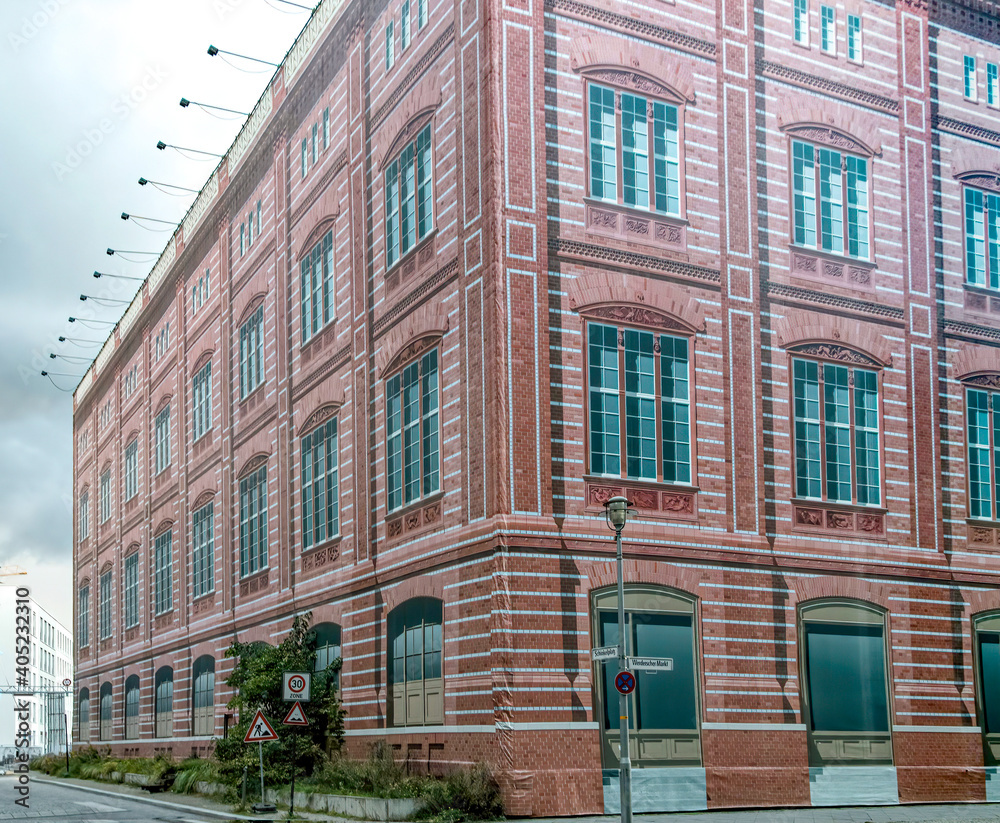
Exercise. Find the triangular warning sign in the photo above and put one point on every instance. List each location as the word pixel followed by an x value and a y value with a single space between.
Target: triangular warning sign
pixel 260 730
pixel 295 716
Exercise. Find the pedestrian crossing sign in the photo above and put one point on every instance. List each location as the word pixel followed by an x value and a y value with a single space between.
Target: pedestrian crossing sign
pixel 260 730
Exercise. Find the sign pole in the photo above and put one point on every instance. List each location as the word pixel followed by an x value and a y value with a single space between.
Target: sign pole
pixel 625 762
pixel 260 751
pixel 291 800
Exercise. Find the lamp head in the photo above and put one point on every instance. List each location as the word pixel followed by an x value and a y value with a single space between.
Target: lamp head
pixel 616 512
pixel 124 215
pixel 212 51
pixel 52 357
pixel 45 374
pixel 160 145
pixel 62 339
pixel 97 274
pixel 72 320
pixel 143 181
pixel 83 297
pixel 111 252
pixel 185 102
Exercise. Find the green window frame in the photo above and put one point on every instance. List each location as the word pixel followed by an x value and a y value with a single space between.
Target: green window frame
pixel 317 288
pixel 320 485
pixel 969 77
pixel 800 22
pixel 162 439
pixel 413 432
pixel 131 590
pixel 201 402
pixel 840 183
pixel 203 695
pixel 163 574
pixel 132 707
pixel 164 702
pixel 854 42
pixel 83 617
pixel 643 379
pixel 409 197
pixel 253 522
pixel 648 134
pixel 983 450
pixel 132 469
pixel 837 432
pixel 252 353
pixel 416 630
pixel 992 85
pixel 982 238
pixel 104 608
pixel 203 550
pixel 828 29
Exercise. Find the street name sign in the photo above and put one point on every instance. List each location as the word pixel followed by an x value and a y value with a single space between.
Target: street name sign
pixel 260 730
pixel 604 653
pixel 651 664
pixel 295 686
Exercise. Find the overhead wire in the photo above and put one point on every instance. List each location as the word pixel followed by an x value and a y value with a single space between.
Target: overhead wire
pixel 245 71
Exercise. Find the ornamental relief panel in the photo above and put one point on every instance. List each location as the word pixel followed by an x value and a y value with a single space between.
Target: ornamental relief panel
pixel 626 79
pixel 983 180
pixel 415 521
pixel 989 381
pixel 625 224
pixel 636 316
pixel 838 521
pixel 831 351
pixel 653 500
pixel 831 137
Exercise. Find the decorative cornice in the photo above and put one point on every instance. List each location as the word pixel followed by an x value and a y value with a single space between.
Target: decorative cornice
pixel 642 28
pixel 960 329
pixel 833 351
pixel 780 290
pixel 825 84
pixel 816 133
pixel 439 278
pixel 632 260
pixel 635 81
pixel 412 76
pixel 949 124
pixel 637 316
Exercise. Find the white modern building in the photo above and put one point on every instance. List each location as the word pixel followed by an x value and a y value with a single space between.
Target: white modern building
pixel 50 664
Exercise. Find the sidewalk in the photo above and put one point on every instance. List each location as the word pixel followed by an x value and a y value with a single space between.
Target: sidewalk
pixel 964 813
pixel 194 803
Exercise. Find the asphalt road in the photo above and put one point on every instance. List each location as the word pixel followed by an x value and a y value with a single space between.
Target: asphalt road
pixel 70 804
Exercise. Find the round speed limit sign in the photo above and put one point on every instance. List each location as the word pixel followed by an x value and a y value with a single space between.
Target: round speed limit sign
pixel 295 686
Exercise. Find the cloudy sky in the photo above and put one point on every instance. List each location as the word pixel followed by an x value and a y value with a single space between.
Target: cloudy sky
pixel 88 87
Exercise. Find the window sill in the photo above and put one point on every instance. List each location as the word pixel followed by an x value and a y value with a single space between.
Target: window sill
pixel 982 533
pixel 819 516
pixel 420 257
pixel 203 602
pixel 316 557
pixel 255 582
pixel 316 344
pixel 656 499
pixel 419 517
pixel 633 225
pixel 830 269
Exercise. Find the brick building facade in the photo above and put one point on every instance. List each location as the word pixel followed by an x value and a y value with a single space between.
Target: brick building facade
pixel 471 268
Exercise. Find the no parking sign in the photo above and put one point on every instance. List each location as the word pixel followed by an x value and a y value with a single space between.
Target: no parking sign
pixel 295 686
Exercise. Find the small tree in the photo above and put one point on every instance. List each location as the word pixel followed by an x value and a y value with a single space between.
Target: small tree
pixel 256 679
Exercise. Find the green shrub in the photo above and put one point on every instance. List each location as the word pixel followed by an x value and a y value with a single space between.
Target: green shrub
pixel 194 770
pixel 467 794
pixel 378 776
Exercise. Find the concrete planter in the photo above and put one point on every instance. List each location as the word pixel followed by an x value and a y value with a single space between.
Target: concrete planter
pixel 204 787
pixel 366 808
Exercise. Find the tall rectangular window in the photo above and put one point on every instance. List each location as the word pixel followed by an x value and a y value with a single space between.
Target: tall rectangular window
pixel 409 197
pixel 305 157
pixel 404 28
pixel 84 513
pixel 106 496
pixel 315 143
pixel 983 435
pixel 326 128
pixel 843 200
pixel 971 81
pixel 203 551
pixel 649 136
pixel 131 469
pixel 320 488
pixel 253 522
pixel 131 590
pixel 800 22
pixel 317 287
pixel 162 438
pixel 644 378
pixel 163 572
pixel 252 353
pixel 836 428
pixel 413 432
pixel 854 38
pixel 258 219
pixel 201 401
pixel 104 613
pixel 828 29
pixel 992 85
pixel 83 617
pixel 242 239
pixel 982 238
pixel 250 228
pixel 390 47
pixel 421 13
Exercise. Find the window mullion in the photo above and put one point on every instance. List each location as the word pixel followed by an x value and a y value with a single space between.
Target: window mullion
pixel 622 410
pixel 853 435
pixel 658 405
pixel 619 152
pixel 991 406
pixel 821 379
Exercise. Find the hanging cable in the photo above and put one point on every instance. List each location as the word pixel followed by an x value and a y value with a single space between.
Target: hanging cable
pixel 82 343
pixel 72 358
pixel 50 375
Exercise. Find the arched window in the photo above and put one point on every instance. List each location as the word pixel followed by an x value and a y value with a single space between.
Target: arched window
pixel 84 712
pixel 415 644
pixel 845 693
pixel 663 710
pixel 106 712
pixel 988 684
pixel 204 695
pixel 164 682
pixel 132 707
pixel 327 645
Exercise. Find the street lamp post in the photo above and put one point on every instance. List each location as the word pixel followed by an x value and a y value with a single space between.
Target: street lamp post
pixel 616 513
